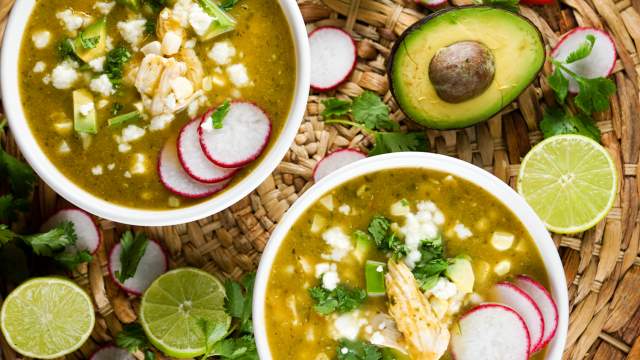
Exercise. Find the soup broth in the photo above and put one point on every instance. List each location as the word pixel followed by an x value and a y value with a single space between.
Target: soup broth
pixel 466 217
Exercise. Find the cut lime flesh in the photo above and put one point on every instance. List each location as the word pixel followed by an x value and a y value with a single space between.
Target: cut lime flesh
pixel 173 304
pixel 570 181
pixel 47 318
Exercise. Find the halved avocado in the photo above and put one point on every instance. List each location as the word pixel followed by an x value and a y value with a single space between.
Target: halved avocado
pixel 460 66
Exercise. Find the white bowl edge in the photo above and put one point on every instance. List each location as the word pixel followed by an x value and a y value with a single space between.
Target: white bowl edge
pixel 81 198
pixel 459 168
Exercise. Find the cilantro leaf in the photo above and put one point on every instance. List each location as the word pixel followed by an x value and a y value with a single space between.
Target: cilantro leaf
pixel 150 27
pixel 227 5
pixel 335 107
pixel 133 248
pixel 594 94
pixel 133 338
pixel 239 302
pixel 72 260
pixel 116 108
pixel 20 176
pixel 6 235
pixel 53 241
pixel 217 117
pixel 65 49
pixel 369 110
pixel 242 348
pixel 10 206
pixel 357 350
pixel 511 5
pixel 114 64
pixel 385 240
pixel 387 142
pixel 378 228
pixel 559 84
pixel 212 333
pixel 582 51
pixel 557 121
pixel 342 299
pixel 88 43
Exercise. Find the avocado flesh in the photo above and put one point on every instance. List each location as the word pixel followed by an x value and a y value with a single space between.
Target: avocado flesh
pixel 516 46
pixel 95 30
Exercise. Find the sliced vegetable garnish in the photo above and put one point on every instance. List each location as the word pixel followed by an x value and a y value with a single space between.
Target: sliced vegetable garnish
pixel 336 160
pixel 120 119
pixel 512 296
pixel 84 112
pixel 374 277
pixel 136 262
pixel 222 23
pixel 333 57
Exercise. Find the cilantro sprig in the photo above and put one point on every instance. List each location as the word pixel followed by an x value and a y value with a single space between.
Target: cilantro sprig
pixel 114 64
pixel 371 114
pixel 557 121
pixel 133 248
pixel 357 350
pixel 379 230
pixel 340 300
pixel 133 338
pixel 218 115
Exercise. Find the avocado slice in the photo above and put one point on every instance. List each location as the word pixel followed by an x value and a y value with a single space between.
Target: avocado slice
pixel 461 273
pixel 84 112
pixel 91 43
pixel 460 66
pixel 374 277
pixel 222 21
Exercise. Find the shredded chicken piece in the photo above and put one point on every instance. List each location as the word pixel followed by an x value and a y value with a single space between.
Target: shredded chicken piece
pixel 425 337
pixel 149 73
pixel 195 72
pixel 386 333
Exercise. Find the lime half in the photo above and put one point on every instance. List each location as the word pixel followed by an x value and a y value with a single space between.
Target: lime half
pixel 172 305
pixel 570 181
pixel 47 318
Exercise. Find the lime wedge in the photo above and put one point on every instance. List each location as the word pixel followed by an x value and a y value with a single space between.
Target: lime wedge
pixel 570 181
pixel 172 305
pixel 47 318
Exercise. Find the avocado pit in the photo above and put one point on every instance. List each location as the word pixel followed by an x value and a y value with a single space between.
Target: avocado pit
pixel 461 71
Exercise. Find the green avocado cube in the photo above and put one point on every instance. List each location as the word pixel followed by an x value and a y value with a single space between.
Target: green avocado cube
pixel 84 112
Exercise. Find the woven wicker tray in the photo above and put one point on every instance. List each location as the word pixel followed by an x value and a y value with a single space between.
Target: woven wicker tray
pixel 601 266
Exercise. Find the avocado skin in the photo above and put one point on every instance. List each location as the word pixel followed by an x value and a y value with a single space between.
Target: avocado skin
pixel 416 27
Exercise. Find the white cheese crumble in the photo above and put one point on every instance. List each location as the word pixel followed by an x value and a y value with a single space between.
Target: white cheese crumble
pixel 238 75
pixel 153 47
pixel 39 67
pixel 418 226
pixel 103 103
pixel 86 109
pixel 347 326
pixel 41 39
pixel 64 75
pixel 161 121
pixel 111 166
pixel 127 174
pixel 222 52
pixel 171 43
pixel 182 87
pixel 344 209
pixel 46 79
pixel 190 44
pixel 96 170
pixel 462 232
pixel 443 289
pixel 330 280
pixel 104 7
pixel 124 147
pixel 132 133
pixel 339 242
pixel 139 162
pixel 502 268
pixel 199 20
pixel 102 85
pixel 132 31
pixel 64 147
pixel 97 64
pixel 181 11
pixel 502 241
pixel 71 20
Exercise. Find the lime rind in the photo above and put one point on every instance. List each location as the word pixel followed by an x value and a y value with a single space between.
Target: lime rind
pixel 76 315
pixel 170 329
pixel 569 210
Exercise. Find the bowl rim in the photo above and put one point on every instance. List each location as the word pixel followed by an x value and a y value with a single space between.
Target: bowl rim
pixel 20 130
pixel 430 161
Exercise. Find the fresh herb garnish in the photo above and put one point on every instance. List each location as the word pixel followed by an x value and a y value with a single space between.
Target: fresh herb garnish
pixel 227 5
pixel 66 50
pixel 118 120
pixel 116 108
pixel 379 230
pixel 342 299
pixel 114 64
pixel 88 43
pixel 150 27
pixel 133 248
pixel 18 174
pixel 357 350
pixel 371 114
pixel 239 301
pixel 582 51
pixel 212 334
pixel 557 121
pixel 217 117
pixel 133 338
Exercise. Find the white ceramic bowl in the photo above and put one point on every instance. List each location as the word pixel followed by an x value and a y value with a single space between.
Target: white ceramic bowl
pixel 441 163
pixel 83 199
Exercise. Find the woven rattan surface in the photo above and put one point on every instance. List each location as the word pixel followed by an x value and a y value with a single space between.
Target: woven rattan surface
pixel 602 266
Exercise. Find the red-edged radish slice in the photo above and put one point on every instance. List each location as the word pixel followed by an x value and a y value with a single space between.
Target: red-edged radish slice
pixel 111 352
pixel 431 4
pixel 193 159
pixel 244 134
pixel 176 180
pixel 335 161
pixel 511 296
pixel 490 332
pixel 545 303
pixel 599 63
pixel 333 57
pixel 152 264
pixel 86 229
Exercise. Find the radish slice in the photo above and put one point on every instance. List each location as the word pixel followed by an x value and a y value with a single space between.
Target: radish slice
pixel 545 303
pixel 599 63
pixel 335 161
pixel 489 332
pixel 193 160
pixel 510 295
pixel 111 352
pixel 176 180
pixel 431 4
pixel 86 229
pixel 333 57
pixel 244 134
pixel 152 264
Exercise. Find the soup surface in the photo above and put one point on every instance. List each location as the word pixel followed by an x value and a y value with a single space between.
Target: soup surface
pixel 253 61
pixel 327 249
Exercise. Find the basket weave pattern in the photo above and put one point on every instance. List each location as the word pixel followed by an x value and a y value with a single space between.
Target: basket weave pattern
pixel 602 266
